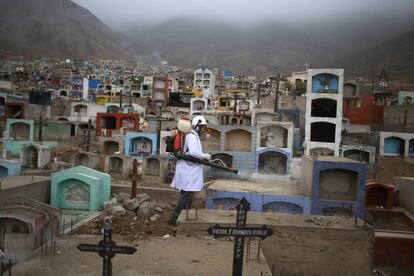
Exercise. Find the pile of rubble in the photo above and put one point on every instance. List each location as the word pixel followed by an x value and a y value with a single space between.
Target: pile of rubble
pixel 141 206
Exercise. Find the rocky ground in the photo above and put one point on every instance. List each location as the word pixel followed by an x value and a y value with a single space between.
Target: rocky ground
pixel 133 219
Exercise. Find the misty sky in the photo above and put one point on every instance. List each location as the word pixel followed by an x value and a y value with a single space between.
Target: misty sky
pixel 123 13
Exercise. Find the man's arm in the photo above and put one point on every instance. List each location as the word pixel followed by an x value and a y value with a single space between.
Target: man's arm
pixel 191 140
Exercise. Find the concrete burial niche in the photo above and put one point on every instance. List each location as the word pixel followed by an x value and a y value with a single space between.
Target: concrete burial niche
pixel 238 140
pixel 321 152
pixel 34 156
pixel 322 132
pixel 9 168
pixel 364 154
pixel 213 142
pixel 20 130
pixel 324 107
pixel 140 144
pixel 198 105
pixel 378 194
pixel 86 159
pixel 80 188
pixel 336 185
pixel 276 135
pixel 325 83
pixel 22 223
pixel 110 147
pixel 154 169
pixel 273 161
pixel 396 144
pixel 264 117
pixel 118 165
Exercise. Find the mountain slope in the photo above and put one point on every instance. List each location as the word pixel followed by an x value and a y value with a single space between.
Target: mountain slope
pixel 263 49
pixel 59 28
pixel 396 56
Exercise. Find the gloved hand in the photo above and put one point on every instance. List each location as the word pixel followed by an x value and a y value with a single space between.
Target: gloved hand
pixel 207 156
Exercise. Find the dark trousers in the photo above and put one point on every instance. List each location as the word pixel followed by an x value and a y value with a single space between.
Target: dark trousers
pixel 185 200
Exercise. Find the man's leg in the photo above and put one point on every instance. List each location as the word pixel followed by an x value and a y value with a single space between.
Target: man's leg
pixel 185 199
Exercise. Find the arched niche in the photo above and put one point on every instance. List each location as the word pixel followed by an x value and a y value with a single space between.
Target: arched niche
pixel 81 109
pixel 357 155
pixel 115 164
pixel 325 83
pixel 273 136
pixel 283 207
pixel 272 162
pixel 323 132
pixel 238 140
pixel 338 184
pixel 213 142
pixel 110 147
pixel 4 172
pixel 108 122
pixel 82 159
pixel 20 131
pixel 74 194
pixel 141 146
pixel 324 107
pixel 152 167
pixel 30 157
pixel 321 152
pixel 394 145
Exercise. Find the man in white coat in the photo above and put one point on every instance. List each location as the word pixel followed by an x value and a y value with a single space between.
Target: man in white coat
pixel 188 176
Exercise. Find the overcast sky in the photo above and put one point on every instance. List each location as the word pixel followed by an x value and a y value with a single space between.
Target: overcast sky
pixel 119 13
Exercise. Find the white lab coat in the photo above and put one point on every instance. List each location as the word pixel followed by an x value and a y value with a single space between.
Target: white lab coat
pixel 189 176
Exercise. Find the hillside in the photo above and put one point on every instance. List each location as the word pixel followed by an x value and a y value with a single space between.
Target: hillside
pixel 59 28
pixel 396 56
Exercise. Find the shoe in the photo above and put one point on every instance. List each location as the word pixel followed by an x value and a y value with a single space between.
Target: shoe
pixel 172 221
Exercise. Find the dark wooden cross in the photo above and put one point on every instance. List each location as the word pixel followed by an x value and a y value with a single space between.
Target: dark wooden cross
pixel 240 232
pixel 106 248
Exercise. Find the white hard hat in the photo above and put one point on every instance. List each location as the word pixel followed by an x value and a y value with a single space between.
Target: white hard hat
pixel 198 121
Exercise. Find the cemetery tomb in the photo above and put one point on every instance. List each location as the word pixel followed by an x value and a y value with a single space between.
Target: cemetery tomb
pixel 283 207
pixel 21 223
pixel 81 109
pixel 272 162
pixel 226 203
pixel 198 105
pixel 4 172
pixel 20 131
pixel 358 155
pixel 378 194
pixel 110 147
pixel 112 109
pixel 337 211
pixel 411 147
pixel 141 146
pixel 82 159
pixel 325 83
pixel 213 142
pixel 350 89
pixel 273 136
pixel 238 140
pixel 108 122
pixel 127 122
pixel 321 152
pixel 63 93
pixel 30 157
pixel 115 164
pixel 152 167
pixel 324 107
pixel 323 132
pixel 394 146
pixel 80 188
pixel 9 168
pixel 15 110
pixel 338 184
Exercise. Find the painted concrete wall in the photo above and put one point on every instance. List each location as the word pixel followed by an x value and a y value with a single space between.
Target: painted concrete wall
pixel 129 139
pixel 9 168
pixel 38 190
pixel 391 145
pixel 405 186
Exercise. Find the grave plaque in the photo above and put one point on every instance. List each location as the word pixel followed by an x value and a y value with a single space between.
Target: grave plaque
pixel 240 232
pixel 106 248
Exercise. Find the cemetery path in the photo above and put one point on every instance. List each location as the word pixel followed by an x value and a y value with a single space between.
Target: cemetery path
pixel 155 256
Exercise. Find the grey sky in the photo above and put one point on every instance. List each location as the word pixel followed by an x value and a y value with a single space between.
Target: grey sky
pixel 119 13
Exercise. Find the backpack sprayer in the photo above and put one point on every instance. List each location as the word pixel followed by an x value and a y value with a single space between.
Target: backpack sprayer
pixel 175 145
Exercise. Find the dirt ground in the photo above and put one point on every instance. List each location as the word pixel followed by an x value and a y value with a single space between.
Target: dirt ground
pixel 387 167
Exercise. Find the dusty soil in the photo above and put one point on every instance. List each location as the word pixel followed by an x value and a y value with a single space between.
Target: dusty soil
pixel 130 228
pixel 397 223
pixel 387 167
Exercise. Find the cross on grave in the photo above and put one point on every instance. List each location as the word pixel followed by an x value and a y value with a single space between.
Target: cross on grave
pixel 240 232
pixel 159 119
pixel 106 248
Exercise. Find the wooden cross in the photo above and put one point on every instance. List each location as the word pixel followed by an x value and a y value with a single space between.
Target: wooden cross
pixel 106 248
pixel 240 232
